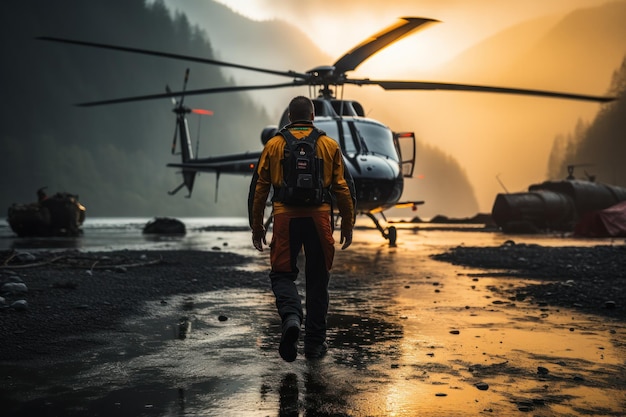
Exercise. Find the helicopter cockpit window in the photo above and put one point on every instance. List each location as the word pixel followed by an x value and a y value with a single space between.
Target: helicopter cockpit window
pixel 332 130
pixel 376 140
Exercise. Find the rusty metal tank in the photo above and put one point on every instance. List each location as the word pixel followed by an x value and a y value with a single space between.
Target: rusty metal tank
pixel 553 205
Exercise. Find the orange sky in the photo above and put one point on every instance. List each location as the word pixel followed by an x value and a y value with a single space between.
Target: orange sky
pixel 346 23
pixel 490 135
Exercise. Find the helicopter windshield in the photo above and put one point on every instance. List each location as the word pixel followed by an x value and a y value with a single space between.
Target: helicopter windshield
pixel 332 130
pixel 375 139
pixel 361 136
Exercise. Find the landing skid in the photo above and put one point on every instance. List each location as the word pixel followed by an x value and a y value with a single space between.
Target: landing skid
pixel 390 233
pixel 177 189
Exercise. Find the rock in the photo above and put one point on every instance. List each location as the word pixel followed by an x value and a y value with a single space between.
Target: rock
pixel 610 305
pixel 222 318
pixel 483 386
pixel 525 406
pixel 14 288
pixel 542 371
pixel 19 305
pixel 165 226
pixel 25 257
pixel 455 332
pixel 184 326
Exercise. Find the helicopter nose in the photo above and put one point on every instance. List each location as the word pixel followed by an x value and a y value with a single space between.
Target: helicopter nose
pixel 378 167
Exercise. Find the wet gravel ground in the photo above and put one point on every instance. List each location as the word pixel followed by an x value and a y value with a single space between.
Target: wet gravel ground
pixel 591 279
pixel 72 293
pixel 429 343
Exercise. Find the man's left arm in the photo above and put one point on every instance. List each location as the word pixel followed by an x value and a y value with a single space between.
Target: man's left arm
pixel 257 196
pixel 343 188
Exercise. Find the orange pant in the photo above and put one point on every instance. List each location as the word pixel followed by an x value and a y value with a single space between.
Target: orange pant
pixel 290 234
pixel 288 238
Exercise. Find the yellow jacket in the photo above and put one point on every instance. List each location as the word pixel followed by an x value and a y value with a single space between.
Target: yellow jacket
pixel 269 173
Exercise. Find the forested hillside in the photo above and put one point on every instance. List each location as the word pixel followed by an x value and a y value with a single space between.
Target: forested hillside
pixel 114 156
pixel 596 148
pixel 510 137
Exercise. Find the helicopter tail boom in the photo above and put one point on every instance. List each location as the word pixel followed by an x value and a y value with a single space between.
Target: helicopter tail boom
pixel 186 151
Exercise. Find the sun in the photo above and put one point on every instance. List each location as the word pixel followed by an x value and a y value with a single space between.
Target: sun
pixel 421 51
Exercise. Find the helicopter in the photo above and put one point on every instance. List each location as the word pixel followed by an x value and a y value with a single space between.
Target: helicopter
pixel 378 158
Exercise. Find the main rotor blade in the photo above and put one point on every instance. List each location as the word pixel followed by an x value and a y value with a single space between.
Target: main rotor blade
pixel 376 42
pixel 426 85
pixel 189 93
pixel 174 56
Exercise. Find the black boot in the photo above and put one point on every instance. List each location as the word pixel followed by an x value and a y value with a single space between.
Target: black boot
pixel 316 351
pixel 288 347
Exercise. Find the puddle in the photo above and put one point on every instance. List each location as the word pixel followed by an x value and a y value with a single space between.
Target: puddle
pixel 408 336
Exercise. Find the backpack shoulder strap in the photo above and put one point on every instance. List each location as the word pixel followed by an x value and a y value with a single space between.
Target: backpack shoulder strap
pixel 290 140
pixel 315 134
pixel 289 137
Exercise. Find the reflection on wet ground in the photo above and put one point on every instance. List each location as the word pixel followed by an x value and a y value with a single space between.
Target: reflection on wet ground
pixel 408 336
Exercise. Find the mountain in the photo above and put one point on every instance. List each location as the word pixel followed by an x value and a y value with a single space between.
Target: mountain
pixel 273 44
pixel 509 137
pixel 578 51
pixel 114 156
pixel 494 55
pixel 596 148
pixel 281 45
pixel 585 47
pixel 593 142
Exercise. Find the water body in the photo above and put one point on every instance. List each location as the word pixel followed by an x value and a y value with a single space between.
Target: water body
pixel 409 336
pixel 115 233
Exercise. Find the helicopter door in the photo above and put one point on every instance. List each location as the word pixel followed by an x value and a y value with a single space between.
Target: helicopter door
pixel 405 144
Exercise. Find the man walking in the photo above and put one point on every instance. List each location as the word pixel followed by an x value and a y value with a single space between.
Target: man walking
pixel 302 212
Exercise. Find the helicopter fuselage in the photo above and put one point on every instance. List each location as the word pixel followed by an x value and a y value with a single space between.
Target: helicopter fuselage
pixel 369 147
pixel 371 158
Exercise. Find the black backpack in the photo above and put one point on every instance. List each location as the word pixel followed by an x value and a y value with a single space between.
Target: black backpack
pixel 303 171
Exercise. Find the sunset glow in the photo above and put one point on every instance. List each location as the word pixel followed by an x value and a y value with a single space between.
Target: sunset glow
pixel 484 42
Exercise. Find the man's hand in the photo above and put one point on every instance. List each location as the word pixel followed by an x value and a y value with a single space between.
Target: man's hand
pixel 258 239
pixel 346 238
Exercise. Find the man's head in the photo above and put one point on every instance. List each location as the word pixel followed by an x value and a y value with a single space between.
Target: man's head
pixel 301 108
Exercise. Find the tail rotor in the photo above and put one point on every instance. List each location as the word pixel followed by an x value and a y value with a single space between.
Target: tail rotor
pixel 182 129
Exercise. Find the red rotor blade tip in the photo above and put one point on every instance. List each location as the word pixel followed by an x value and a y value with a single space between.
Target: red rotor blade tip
pixel 202 111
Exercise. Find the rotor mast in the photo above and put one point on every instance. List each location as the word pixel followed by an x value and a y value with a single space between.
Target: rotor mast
pixel 324 76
